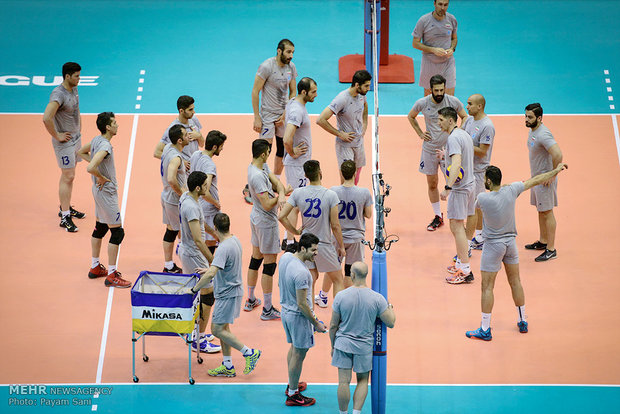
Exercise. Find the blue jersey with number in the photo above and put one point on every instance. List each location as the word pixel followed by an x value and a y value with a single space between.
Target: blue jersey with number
pixel 314 203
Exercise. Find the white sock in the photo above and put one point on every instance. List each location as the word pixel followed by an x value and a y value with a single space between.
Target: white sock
pixel 357 411
pixel 291 241
pixel 65 213
pixel 94 261
pixel 292 392
pixel 169 265
pixel 437 208
pixel 251 296
pixel 267 297
pixel 227 361
pixel 246 351
pixel 465 268
pixel 486 321
pixel 521 311
pixel 343 412
pixel 111 269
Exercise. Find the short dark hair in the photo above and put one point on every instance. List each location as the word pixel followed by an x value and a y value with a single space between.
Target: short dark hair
pixel 536 108
pixel 437 80
pixel 221 221
pixel 214 138
pixel 175 133
pixel 312 168
pixel 259 147
pixel 348 168
pixel 305 84
pixel 448 112
pixel 360 77
pixel 70 68
pixel 103 120
pixel 307 240
pixel 494 174
pixel 284 43
pixel 196 179
pixel 184 102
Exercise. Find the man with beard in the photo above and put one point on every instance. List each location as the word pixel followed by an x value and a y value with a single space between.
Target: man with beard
pixel 498 211
pixel 435 35
pixel 351 110
pixel 545 155
pixel 434 138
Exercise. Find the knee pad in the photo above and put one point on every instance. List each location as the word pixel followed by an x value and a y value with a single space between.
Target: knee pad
pixel 269 269
pixel 170 235
pixel 255 263
pixel 347 269
pixel 212 249
pixel 208 299
pixel 100 230
pixel 279 147
pixel 117 235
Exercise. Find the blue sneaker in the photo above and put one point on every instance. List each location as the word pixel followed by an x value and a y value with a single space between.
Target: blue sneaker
pixel 456 256
pixel 207 347
pixel 480 334
pixel 522 326
pixel 475 244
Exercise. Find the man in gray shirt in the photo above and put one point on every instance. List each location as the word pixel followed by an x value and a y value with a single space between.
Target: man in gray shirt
pixel 355 310
pixel 499 229
pixel 63 122
pixel 433 139
pixel 351 110
pixel 435 35
pixel 545 155
pixel 186 118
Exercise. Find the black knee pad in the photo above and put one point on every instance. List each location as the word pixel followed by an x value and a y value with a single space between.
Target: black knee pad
pixel 100 230
pixel 255 263
pixel 208 299
pixel 170 235
pixel 347 269
pixel 212 249
pixel 269 269
pixel 279 147
pixel 117 235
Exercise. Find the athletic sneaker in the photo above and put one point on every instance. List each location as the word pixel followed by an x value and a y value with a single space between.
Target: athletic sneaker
pixel 251 361
pixel 175 269
pixel 203 337
pixel 452 269
pixel 206 347
pixel 115 280
pixel 67 224
pixel 320 300
pixel 97 271
pixel 459 277
pixel 301 386
pixel 537 245
pixel 73 212
pixel 475 244
pixel 246 195
pixel 251 304
pixel 456 256
pixel 480 334
pixel 222 371
pixel 270 315
pixel 436 223
pixel 522 326
pixel 299 400
pixel 547 255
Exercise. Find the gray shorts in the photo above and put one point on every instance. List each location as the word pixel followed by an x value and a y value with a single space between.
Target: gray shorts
pixel 190 261
pixel 479 183
pixel 66 152
pixel 360 363
pixel 461 204
pixel 295 176
pixel 429 69
pixel 267 239
pixel 544 197
pixel 355 252
pixel 226 310
pixel 270 129
pixel 106 204
pixel 326 259
pixel 356 154
pixel 496 252
pixel 429 163
pixel 298 329
pixel 170 215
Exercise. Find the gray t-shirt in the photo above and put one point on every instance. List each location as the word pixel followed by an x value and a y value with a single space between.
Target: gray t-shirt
pixel 353 200
pixel 314 203
pixel 459 142
pixel 297 114
pixel 435 33
pixel 498 212
pixel 228 282
pixel 202 162
pixel 539 142
pixel 193 124
pixel 427 107
pixel 293 275
pixel 258 182
pixel 276 88
pixel 67 118
pixel 106 167
pixel 168 195
pixel 349 110
pixel 190 210
pixel 358 309
pixel 482 132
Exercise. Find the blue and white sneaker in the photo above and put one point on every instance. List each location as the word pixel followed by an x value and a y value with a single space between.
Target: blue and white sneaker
pixel 480 334
pixel 320 300
pixel 456 256
pixel 475 244
pixel 207 347
pixel 522 326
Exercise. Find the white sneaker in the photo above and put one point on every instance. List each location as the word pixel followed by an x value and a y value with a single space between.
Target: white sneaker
pixel 321 301
pixel 207 347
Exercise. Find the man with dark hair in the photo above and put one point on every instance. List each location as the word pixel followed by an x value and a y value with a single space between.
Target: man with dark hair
pixel 186 118
pixel 63 122
pixel 498 210
pixel 545 155
pixel 174 179
pixel 351 110
pixel 434 139
pixel 264 227
pixel 100 156
pixel 298 319
pixel 435 35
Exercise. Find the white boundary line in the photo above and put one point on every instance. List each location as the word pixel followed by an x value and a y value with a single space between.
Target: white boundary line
pixel 184 384
pixel 614 122
pixel 241 113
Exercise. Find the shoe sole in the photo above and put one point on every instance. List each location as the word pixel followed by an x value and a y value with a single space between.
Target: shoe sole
pixel 270 318
pixel 222 375
pixel 116 286
pixel 320 304
pixel 480 339
pixel 77 217
pixel 545 260
pixel 211 351
pixel 293 404
pixel 94 276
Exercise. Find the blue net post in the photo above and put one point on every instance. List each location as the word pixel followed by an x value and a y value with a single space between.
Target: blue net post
pixel 379 357
pixel 368 47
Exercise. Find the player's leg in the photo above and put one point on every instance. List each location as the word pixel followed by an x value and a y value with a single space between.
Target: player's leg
pixel 449 72
pixel 295 366
pixel 337 281
pixel 359 157
pixel 327 262
pixel 97 269
pixel 65 188
pixel 117 234
pixel 169 238
pixel 361 391
pixel 460 240
pixel 470 226
pixel 315 277
pixel 547 224
pixel 269 268
pixel 432 180
pixel 459 207
pixel 255 262
pixel 344 391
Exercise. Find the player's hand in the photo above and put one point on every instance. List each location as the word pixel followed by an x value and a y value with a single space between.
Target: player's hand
pixel 201 270
pixel 258 124
pixel 342 252
pixel 63 136
pixel 437 51
pixel 281 201
pixel 561 167
pixel 187 165
pixel 444 195
pixel 449 52
pixel 193 135
pixel 320 327
pixel 101 182
pixel 280 120
pixel 441 154
pixel 346 136
pixel 426 136
pixel 300 150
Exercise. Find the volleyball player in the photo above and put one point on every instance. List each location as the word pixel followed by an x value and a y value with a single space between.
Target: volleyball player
pixel 186 118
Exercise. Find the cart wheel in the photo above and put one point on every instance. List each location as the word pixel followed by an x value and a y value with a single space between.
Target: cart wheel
pixel 199 360
pixel 191 381
pixel 135 379
pixel 145 358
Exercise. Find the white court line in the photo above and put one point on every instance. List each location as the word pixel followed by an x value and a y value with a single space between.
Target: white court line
pixel 614 122
pixel 233 114
pixel 106 324
pixel 207 384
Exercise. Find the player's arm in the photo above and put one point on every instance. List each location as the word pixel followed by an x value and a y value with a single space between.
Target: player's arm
pixel 333 328
pixel 417 44
pixel 457 160
pixel 388 317
pixel 196 136
pixel 206 275
pixel 84 152
pixel 368 211
pixel 283 218
pixel 411 116
pixel 292 88
pixel 171 176
pixel 334 223
pixel 208 197
pixel 453 43
pixel 482 150
pixel 297 151
pixel 194 228
pixel 93 167
pixel 159 148
pixel 324 123
pixel 265 201
pixel 463 115
pixel 279 187
pixel 302 303
pixel 48 121
pixel 258 85
pixel 556 154
pixel 365 119
pixel 544 177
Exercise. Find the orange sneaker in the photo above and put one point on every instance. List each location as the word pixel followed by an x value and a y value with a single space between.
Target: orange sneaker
pixel 97 271
pixel 115 280
pixel 460 277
